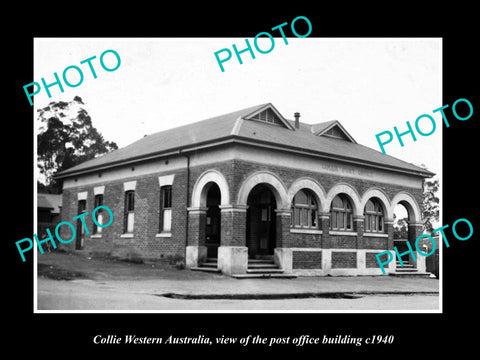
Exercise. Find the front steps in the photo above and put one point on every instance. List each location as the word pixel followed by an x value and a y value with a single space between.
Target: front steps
pixel 263 268
pixel 211 265
pixel 257 268
pixel 408 270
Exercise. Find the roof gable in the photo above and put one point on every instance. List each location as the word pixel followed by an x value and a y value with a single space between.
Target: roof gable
pixel 268 114
pixel 332 129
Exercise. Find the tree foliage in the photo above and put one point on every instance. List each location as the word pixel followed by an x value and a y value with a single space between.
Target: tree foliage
pixel 430 211
pixel 66 138
pixel 400 228
pixel 430 204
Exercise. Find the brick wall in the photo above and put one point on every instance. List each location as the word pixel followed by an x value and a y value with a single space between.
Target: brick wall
pixel 69 210
pixel 307 259
pixel 233 228
pixel 144 244
pixel 371 260
pixel 304 240
pixel 343 242
pixel 344 260
pixel 196 229
pixel 375 242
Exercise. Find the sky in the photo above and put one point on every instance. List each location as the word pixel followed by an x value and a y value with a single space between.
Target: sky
pixel 370 85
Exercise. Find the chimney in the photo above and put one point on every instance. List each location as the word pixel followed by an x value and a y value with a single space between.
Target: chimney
pixel 297 120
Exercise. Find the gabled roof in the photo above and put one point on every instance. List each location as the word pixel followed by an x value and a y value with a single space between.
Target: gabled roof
pixel 239 126
pixel 325 127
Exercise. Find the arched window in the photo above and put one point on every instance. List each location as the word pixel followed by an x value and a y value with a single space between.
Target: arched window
pixel 374 216
pixel 341 213
pixel 304 210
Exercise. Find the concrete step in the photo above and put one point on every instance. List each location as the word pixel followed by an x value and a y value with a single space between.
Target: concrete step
pixel 206 269
pixel 406 269
pixel 263 266
pixel 264 276
pixel 410 274
pixel 209 264
pixel 265 271
pixel 260 261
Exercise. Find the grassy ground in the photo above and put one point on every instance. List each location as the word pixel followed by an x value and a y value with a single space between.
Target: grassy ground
pixel 68 266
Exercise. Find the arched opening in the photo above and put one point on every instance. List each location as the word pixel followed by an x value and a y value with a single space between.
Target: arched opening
pixel 201 187
pixel 402 217
pixel 213 219
pixel 261 222
pixel 400 222
pixel 374 216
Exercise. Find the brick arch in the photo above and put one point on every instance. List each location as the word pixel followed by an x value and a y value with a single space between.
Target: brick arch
pixel 200 189
pixel 307 183
pixel 347 189
pixel 408 200
pixel 379 194
pixel 264 177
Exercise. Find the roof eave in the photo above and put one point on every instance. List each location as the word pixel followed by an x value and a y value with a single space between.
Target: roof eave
pixel 243 140
pixel 156 155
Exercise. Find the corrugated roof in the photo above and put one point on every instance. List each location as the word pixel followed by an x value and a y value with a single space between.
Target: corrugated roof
pixel 50 201
pixel 176 138
pixel 305 140
pixel 228 126
pixel 43 203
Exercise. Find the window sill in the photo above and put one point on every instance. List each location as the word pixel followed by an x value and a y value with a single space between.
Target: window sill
pixel 127 235
pixel 338 232
pixel 375 234
pixel 96 236
pixel 305 231
pixel 164 235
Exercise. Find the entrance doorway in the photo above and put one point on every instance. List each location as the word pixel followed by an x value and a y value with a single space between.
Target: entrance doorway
pixel 401 232
pixel 213 221
pixel 261 222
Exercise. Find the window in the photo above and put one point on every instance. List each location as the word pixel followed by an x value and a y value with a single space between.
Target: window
pixel 79 242
pixel 305 210
pixel 341 214
pixel 165 208
pixel 374 216
pixel 82 207
pixel 129 211
pixel 99 214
